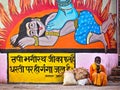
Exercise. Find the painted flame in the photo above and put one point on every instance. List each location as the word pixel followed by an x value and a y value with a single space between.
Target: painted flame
pixel 4 17
pixel 12 8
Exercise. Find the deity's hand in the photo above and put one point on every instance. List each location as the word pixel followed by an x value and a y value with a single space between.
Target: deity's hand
pixel 26 41
pixel 13 39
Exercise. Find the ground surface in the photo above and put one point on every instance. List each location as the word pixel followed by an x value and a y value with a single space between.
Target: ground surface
pixel 110 86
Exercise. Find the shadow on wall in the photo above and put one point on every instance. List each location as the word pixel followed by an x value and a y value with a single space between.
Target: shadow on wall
pixel 86 59
pixel 3 68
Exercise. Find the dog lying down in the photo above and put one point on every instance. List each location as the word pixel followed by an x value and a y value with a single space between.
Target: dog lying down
pixel 78 76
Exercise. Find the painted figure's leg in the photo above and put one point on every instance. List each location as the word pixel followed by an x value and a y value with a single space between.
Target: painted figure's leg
pixel 86 25
pixel 106 23
pixel 66 12
pixel 100 37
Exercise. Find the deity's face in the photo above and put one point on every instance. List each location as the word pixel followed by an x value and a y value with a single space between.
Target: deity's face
pixel 35 28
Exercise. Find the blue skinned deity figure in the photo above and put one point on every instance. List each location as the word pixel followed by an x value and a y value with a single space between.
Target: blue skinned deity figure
pixel 66 12
pixel 87 31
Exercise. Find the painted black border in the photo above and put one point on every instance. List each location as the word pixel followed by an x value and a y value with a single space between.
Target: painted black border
pixel 58 51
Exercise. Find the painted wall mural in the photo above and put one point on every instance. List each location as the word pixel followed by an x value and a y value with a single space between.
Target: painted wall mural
pixel 58 24
pixel 42 38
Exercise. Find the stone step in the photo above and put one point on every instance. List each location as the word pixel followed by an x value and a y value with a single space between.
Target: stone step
pixel 119 60
pixel 114 78
pixel 115 71
pixel 116 68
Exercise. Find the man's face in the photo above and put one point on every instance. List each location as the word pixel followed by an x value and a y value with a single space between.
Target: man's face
pixel 97 61
pixel 35 28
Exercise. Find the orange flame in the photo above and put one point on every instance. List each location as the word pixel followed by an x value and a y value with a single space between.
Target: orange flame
pixel 2 34
pixel 12 7
pixel 105 12
pixel 4 17
pixel 25 5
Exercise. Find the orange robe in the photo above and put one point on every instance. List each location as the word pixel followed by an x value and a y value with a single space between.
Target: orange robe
pixel 99 79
